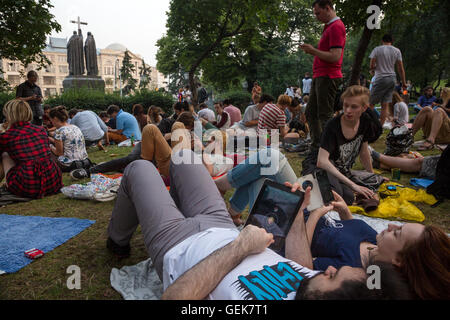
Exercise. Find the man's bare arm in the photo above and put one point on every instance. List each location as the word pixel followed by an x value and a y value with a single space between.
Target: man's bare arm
pixel 401 72
pixel 251 123
pixel 332 56
pixel 200 280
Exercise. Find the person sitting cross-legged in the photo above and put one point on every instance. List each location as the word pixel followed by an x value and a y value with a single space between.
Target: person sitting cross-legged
pixel 126 125
pixel 68 143
pixel 435 125
pixel 197 251
pixel 27 161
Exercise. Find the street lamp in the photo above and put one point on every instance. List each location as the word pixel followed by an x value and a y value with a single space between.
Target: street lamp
pixel 116 67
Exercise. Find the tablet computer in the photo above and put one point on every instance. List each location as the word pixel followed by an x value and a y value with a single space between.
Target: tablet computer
pixel 275 210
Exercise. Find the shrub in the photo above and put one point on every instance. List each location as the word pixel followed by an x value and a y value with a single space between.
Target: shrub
pixel 239 98
pixel 5 97
pixel 97 101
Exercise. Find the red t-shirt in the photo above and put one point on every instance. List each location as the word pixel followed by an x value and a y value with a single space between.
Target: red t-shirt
pixel 333 36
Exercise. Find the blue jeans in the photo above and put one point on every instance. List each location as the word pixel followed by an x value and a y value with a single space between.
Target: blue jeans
pixel 248 177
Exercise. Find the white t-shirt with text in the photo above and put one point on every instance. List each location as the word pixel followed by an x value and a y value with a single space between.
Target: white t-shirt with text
pixel 263 276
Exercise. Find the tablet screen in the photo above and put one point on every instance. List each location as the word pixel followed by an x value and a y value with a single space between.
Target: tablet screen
pixel 275 210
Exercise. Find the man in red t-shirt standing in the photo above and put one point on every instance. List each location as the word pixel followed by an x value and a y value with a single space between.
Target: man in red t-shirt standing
pixel 327 74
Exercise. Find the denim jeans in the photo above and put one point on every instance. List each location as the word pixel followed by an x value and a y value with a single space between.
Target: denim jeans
pixel 248 177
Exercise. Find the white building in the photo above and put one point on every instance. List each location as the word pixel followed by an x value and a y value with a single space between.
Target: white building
pixel 51 77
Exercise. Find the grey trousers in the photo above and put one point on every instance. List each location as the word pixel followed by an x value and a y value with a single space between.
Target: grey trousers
pixel 193 205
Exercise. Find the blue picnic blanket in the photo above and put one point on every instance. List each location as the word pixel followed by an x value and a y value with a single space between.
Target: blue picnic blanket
pixel 21 233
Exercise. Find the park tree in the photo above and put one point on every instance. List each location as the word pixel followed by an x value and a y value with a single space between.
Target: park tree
pixel 272 36
pixel 24 26
pixel 424 42
pixel 355 16
pixel 198 28
pixel 145 75
pixel 126 73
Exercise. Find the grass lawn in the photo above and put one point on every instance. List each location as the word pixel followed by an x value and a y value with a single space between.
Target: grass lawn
pixel 46 278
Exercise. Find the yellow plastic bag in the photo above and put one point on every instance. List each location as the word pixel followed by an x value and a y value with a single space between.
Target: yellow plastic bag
pixel 398 205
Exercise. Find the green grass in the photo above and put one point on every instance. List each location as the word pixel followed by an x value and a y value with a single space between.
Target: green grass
pixel 46 278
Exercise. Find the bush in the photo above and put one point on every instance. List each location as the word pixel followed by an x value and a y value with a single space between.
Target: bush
pixel 239 98
pixel 97 101
pixel 4 98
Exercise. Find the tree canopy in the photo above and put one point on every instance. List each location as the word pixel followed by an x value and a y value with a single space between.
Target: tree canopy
pixel 24 26
pixel 230 44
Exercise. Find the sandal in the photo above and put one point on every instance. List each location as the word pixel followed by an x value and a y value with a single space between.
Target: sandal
pixel 425 148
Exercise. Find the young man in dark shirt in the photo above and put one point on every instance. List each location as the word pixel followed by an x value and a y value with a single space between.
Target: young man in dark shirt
pixel 31 93
pixel 344 138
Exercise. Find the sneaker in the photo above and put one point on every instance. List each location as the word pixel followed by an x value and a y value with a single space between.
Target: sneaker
pixel 78 174
pixel 119 251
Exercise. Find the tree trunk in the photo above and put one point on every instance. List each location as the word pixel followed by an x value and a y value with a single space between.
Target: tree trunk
pixel 439 80
pixel 359 56
pixel 193 87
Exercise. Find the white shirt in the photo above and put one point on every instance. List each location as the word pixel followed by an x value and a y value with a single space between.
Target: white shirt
pixel 207 114
pixel 386 57
pixel 401 112
pixel 307 85
pixel 264 276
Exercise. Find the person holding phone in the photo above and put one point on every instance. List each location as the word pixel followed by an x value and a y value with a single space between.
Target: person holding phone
pixel 197 251
pixel 30 92
pixel 344 138
pixel 420 253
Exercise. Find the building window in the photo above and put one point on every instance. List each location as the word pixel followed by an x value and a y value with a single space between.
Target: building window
pixel 63 69
pixel 48 81
pixel 12 66
pixel 49 69
pixel 62 59
pixel 13 79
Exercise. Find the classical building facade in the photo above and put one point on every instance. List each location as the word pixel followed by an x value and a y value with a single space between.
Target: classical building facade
pixel 51 77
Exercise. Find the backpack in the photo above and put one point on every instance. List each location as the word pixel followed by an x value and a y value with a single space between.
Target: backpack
pixel 440 188
pixel 398 141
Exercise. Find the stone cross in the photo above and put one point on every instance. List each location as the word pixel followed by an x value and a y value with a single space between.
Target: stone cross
pixel 78 22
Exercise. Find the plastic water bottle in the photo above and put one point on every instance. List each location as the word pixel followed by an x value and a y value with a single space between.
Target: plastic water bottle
pixel 132 140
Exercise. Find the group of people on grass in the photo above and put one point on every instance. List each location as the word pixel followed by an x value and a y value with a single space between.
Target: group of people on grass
pixel 175 190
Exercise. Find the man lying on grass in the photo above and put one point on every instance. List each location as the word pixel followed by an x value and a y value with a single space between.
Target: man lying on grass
pixel 199 253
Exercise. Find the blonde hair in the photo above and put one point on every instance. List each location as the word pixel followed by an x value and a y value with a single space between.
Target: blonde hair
pixel 445 95
pixel 17 110
pixel 396 98
pixel 357 91
pixel 284 100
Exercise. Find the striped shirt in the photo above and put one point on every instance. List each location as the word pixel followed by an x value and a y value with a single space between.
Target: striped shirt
pixel 271 117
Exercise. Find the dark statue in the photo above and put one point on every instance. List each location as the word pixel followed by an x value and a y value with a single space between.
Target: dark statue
pixel 75 56
pixel 90 52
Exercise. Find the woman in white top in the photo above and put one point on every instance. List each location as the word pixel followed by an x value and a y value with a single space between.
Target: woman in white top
pixel 400 110
pixel 68 141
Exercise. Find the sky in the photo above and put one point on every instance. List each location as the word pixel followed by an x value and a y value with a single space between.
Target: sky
pixel 137 24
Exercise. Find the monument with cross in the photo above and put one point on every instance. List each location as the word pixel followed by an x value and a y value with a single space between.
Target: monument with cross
pixel 77 55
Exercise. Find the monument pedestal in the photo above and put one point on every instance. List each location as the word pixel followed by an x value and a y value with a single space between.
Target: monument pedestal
pixel 88 82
